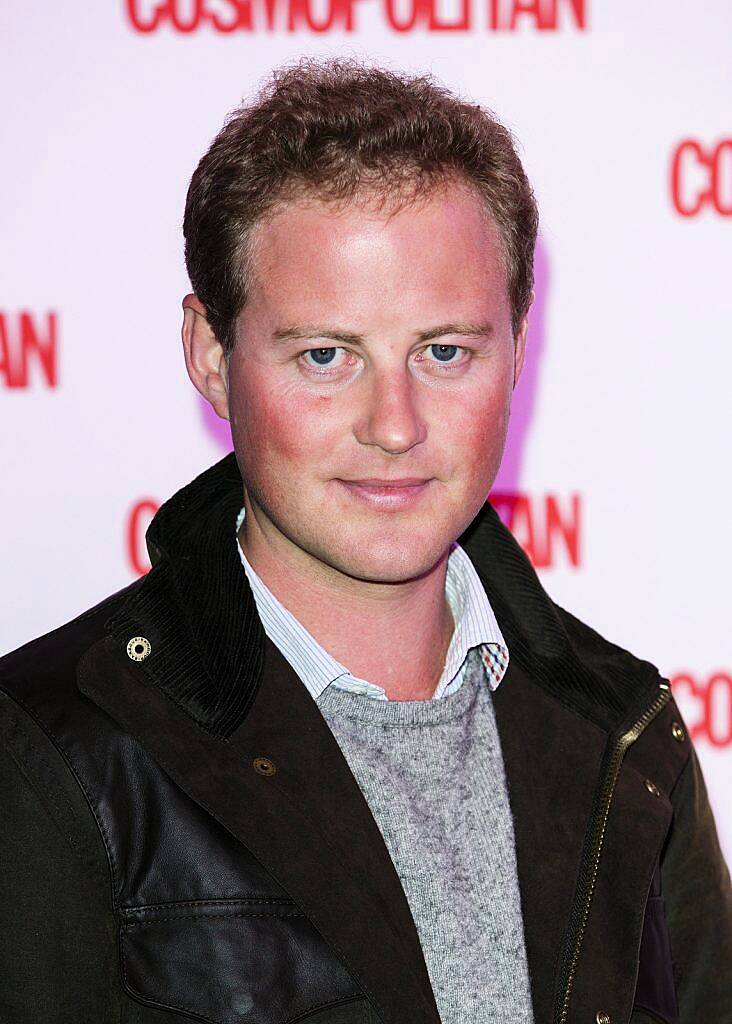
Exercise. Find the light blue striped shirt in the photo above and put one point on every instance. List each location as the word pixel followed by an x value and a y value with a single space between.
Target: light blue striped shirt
pixel 475 626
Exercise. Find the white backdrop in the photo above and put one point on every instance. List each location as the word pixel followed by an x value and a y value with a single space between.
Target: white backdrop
pixel 617 475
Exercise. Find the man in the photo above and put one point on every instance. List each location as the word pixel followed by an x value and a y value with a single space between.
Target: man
pixel 339 758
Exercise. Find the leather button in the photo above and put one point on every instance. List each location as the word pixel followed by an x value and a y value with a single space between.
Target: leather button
pixel 677 732
pixel 652 788
pixel 138 648
pixel 264 766
pixel 602 1018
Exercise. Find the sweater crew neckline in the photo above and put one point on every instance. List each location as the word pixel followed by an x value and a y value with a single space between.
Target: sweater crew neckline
pixel 406 713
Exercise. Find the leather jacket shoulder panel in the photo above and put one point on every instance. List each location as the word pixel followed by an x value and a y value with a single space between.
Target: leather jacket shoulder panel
pixel 202 928
pixel 58 938
pixel 122 783
pixel 49 775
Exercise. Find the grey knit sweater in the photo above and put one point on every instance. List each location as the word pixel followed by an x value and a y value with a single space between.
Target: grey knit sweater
pixel 432 774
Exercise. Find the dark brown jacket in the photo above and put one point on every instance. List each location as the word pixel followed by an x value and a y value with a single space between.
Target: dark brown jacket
pixel 182 838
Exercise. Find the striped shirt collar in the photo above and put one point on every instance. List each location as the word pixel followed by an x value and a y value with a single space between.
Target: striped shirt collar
pixel 475 626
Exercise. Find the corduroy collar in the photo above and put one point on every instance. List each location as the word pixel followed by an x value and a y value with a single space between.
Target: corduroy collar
pixel 197 609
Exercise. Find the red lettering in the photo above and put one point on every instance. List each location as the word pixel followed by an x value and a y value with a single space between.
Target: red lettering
pixel 709 701
pixel 687 692
pixel 188 15
pixel 522 527
pixel 541 526
pixel 504 14
pixel 701 177
pixel 435 25
pixel 28 344
pixel 577 9
pixel 687 157
pixel 186 21
pixel 349 23
pixel 563 527
pixel 137 524
pixel 417 11
pixel 722 178
pixel 271 8
pixel 531 7
pixel 7 367
pixel 241 15
pixel 43 349
pixel 503 502
pixel 151 22
pixel 227 16
pixel 719 709
pixel 337 14
pixel 516 513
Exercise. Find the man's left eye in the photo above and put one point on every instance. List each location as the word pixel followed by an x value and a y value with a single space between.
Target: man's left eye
pixel 444 353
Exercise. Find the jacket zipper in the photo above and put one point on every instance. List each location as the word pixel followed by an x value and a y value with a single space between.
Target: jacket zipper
pixel 617 749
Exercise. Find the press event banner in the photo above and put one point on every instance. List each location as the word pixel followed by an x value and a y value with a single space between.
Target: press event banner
pixel 616 480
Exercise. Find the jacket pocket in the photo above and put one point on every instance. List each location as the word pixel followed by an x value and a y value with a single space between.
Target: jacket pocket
pixel 655 991
pixel 235 962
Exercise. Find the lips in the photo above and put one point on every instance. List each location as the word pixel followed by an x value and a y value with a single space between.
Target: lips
pixel 388 494
pixel 372 481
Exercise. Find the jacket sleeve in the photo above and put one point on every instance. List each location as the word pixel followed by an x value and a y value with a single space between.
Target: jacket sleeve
pixel 57 943
pixel 698 896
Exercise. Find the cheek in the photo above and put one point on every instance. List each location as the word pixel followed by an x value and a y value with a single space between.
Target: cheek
pixel 479 425
pixel 270 428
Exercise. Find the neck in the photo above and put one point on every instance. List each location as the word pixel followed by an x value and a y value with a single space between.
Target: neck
pixel 384 633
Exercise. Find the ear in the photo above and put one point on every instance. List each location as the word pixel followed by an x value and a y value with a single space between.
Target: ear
pixel 205 360
pixel 519 346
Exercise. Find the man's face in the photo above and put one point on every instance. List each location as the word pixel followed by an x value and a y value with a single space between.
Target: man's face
pixel 373 348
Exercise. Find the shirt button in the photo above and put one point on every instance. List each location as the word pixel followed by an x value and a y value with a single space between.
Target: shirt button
pixel 677 732
pixel 652 788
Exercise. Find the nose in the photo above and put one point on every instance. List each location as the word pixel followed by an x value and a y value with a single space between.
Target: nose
pixel 389 418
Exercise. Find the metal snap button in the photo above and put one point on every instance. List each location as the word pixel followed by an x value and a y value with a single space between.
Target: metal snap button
pixel 652 788
pixel 264 766
pixel 138 648
pixel 677 732
pixel 602 1018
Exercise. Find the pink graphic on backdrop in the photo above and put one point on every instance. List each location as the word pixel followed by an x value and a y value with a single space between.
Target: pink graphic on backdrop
pixel 524 397
pixel 218 430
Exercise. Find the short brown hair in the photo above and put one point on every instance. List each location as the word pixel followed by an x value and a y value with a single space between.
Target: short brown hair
pixel 334 129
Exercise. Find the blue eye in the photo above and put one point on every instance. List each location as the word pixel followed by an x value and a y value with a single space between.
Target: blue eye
pixel 444 353
pixel 322 356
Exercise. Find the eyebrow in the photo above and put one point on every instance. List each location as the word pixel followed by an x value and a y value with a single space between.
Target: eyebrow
pixel 313 331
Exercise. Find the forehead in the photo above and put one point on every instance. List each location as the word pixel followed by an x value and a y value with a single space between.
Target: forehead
pixel 444 248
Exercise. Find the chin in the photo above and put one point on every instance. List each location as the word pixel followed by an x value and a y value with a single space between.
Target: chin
pixel 387 562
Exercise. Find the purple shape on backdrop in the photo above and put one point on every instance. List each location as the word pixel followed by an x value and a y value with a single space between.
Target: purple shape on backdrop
pixel 217 429
pixel 522 409
pixel 524 396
